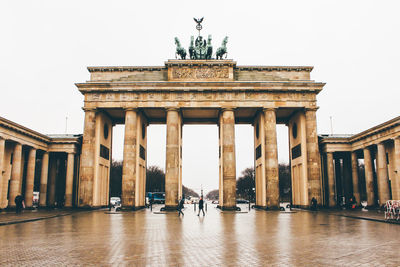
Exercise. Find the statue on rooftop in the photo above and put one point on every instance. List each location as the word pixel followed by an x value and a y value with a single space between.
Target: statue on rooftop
pixel 199 48
pixel 221 51
pixel 180 51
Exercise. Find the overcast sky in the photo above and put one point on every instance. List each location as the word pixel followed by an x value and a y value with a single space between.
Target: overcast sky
pixel 45 47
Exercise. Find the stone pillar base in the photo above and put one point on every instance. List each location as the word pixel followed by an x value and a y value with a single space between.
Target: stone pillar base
pixel 131 208
pixel 266 208
pixel 234 208
pixel 170 208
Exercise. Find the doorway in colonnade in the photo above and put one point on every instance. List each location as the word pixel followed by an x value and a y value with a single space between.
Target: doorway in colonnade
pixel 117 156
pixel 285 179
pixel 200 162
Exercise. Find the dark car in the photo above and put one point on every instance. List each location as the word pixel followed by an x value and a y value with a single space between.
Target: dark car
pixel 242 201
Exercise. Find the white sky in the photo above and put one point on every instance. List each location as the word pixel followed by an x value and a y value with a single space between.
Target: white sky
pixel 46 46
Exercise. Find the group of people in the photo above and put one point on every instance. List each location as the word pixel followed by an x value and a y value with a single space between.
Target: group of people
pixel 181 206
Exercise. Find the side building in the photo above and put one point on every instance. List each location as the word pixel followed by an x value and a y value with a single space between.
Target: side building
pixel 33 162
pixel 364 165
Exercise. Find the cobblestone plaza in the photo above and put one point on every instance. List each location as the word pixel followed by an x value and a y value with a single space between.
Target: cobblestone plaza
pixel 146 238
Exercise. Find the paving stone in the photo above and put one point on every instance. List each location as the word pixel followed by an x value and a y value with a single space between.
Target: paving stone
pixel 258 238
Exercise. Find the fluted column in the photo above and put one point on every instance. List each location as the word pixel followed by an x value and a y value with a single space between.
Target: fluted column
pixel 3 191
pixel 354 174
pixel 43 179
pixel 228 159
pixel 383 181
pixel 87 160
pixel 369 177
pixel 2 152
pixel 30 178
pixel 52 181
pixel 129 162
pixel 15 174
pixel 271 159
pixel 172 159
pixel 69 179
pixel 331 179
pixel 396 183
pixel 313 157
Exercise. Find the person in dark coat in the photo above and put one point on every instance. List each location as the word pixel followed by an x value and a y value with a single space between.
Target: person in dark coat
pixel 19 203
pixel 313 203
pixel 201 206
pixel 180 206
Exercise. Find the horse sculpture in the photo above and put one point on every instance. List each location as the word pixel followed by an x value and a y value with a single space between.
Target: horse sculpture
pixel 209 48
pixel 191 48
pixel 221 51
pixel 179 49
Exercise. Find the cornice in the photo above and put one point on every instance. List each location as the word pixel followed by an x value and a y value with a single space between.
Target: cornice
pixel 275 68
pixel 176 85
pixel 191 63
pixel 23 130
pixel 126 68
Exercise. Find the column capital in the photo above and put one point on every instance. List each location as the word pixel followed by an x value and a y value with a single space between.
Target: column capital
pixel 88 109
pixel 311 108
pixel 130 109
pixel 227 109
pixel 269 109
pixel 172 109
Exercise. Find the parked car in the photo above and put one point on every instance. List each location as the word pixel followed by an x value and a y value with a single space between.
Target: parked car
pixel 242 201
pixel 35 199
pixel 215 202
pixel 156 197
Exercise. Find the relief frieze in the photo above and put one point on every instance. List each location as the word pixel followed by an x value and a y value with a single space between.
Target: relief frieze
pixel 200 73
pixel 198 96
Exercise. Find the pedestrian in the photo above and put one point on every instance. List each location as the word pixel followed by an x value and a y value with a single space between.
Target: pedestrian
pixel 313 203
pixel 180 206
pixel 201 204
pixel 19 203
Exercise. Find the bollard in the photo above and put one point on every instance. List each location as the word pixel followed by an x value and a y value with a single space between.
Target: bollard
pixel 206 206
pixel 194 206
pixel 249 205
pixel 151 206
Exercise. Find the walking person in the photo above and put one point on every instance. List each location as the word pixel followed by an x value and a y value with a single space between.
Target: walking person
pixel 180 206
pixel 201 206
pixel 19 204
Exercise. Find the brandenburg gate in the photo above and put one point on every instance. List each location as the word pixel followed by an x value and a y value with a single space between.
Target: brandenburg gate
pixel 199 92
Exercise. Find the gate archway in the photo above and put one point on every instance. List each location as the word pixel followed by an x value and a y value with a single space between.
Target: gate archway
pixel 200 91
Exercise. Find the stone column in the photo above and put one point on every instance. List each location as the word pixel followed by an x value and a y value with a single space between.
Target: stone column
pixel 383 181
pixel 15 175
pixel 69 180
pixel 396 183
pixel 129 162
pixel 3 191
pixel 172 166
pixel 271 159
pixel 43 180
pixel 52 182
pixel 87 159
pixel 30 178
pixel 369 177
pixel 354 175
pixel 228 159
pixel 313 157
pixel 331 179
pixel 2 153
